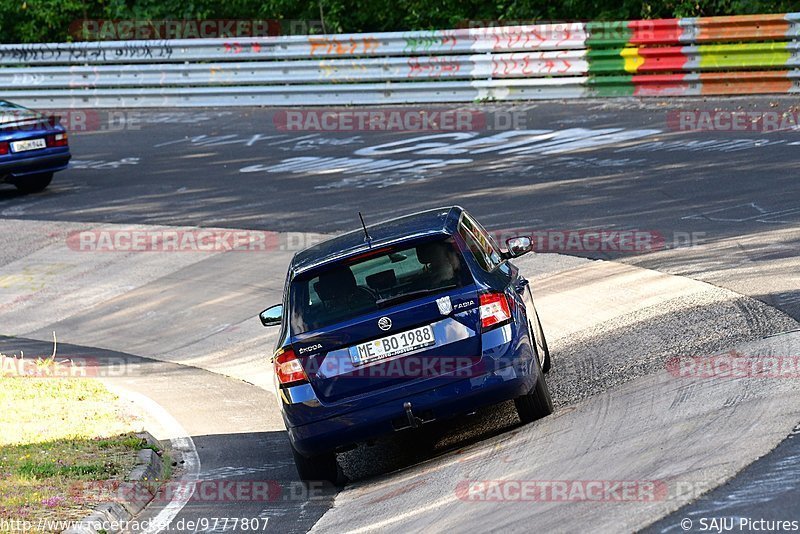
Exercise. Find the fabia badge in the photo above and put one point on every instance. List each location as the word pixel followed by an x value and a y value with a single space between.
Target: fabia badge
pixel 445 306
pixel 384 323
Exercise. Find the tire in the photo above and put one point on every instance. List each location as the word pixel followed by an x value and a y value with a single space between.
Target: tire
pixel 538 334
pixel 545 350
pixel 536 404
pixel 322 467
pixel 33 183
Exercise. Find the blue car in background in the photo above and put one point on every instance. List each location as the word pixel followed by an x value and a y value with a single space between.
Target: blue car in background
pixel 400 325
pixel 33 146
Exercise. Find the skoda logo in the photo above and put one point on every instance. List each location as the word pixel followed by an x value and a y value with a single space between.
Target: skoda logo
pixel 384 323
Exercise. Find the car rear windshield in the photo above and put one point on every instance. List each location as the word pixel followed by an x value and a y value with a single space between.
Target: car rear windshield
pixel 365 284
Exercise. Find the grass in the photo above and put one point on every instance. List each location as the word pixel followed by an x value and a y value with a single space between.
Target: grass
pixel 64 442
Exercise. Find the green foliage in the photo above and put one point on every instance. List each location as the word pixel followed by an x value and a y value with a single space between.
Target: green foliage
pixel 50 20
pixel 41 470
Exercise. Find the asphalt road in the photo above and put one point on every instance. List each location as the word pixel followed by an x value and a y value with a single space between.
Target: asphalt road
pixel 764 491
pixel 601 165
pixel 733 197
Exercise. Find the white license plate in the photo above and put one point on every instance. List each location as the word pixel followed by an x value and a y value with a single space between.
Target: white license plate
pixel 28 144
pixel 389 346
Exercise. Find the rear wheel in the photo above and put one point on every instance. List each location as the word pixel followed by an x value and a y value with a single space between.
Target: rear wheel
pixel 33 183
pixel 322 467
pixel 537 403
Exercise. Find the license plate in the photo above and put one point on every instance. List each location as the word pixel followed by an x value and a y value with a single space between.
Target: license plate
pixel 386 347
pixel 28 144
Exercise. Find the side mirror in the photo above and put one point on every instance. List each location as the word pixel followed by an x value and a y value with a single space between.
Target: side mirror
pixel 517 246
pixel 272 316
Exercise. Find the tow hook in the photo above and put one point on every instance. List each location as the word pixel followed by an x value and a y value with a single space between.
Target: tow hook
pixel 413 421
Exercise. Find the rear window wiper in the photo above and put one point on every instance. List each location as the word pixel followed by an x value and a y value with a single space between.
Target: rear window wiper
pixel 397 299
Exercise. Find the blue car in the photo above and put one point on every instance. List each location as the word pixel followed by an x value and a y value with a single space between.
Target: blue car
pixel 399 325
pixel 33 146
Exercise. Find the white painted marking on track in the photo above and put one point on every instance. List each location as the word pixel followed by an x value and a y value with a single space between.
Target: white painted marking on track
pixel 182 442
pixel 705 215
pixel 758 214
pixel 402 517
pixel 99 164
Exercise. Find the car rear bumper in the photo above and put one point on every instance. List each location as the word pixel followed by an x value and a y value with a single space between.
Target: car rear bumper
pixel 515 374
pixel 45 163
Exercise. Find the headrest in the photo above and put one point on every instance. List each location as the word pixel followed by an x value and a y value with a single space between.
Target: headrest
pixel 336 283
pixel 382 280
pixel 430 252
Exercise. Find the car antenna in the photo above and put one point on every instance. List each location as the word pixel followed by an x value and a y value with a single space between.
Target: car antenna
pixel 367 238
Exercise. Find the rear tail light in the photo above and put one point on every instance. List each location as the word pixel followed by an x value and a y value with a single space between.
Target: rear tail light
pixel 4 148
pixel 494 310
pixel 288 368
pixel 59 139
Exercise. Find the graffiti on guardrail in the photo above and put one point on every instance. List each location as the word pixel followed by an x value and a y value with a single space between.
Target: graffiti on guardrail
pixel 26 79
pixel 528 37
pixel 530 63
pixel 45 52
pixel 512 40
pixel 343 46
pixel 354 69
pixel 237 48
pixel 653 58
pixel 433 66
pixel 434 39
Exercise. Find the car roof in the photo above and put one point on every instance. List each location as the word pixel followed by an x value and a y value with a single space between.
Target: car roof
pixel 439 221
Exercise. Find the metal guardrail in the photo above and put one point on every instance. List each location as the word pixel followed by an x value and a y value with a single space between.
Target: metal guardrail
pixel 564 36
pixel 716 55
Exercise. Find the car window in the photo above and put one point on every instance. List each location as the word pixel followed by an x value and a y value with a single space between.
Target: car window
pixel 393 276
pixel 479 243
